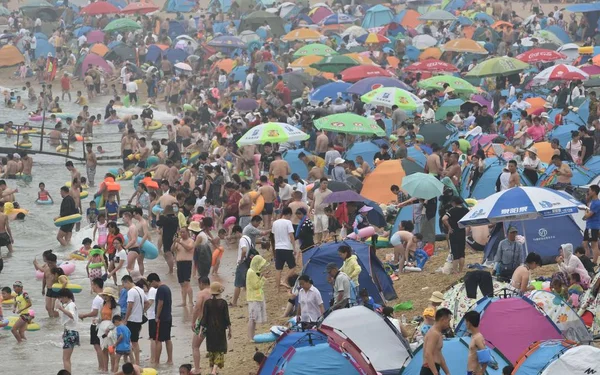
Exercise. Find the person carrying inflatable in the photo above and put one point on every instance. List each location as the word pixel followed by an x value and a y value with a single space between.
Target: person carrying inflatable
pixel 107 187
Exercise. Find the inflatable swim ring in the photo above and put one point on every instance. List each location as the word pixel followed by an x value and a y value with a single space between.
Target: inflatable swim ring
pixel 128 175
pixel 64 150
pixel 157 210
pixel 259 203
pixel 75 288
pixel 46 202
pixel 133 156
pixel 229 221
pixel 363 233
pixel 471 202
pixel 154 125
pixel 24 145
pixel 114 121
pixel 28 131
pixel 152 160
pixel 9 301
pixel 265 337
pixel 189 107
pixel 39 275
pixel 71 219
pixel 149 249
pixel 83 194
pixel 67 267
pixel 11 320
pixel 77 255
pixel 149 371
pixel 63 116
pixel 382 242
pixel 68 184
pixel 35 118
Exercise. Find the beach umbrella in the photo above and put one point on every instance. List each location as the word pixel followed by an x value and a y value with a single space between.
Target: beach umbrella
pixel 99 7
pixel 369 84
pixel 227 41
pixel 430 53
pixel 592 70
pixel 497 66
pixel 315 49
pixel 437 15
pixel 354 31
pixel 560 72
pixel 356 73
pixel 464 45
pixel 303 35
pixel 344 196
pixel 424 41
pixel 246 105
pixel 389 96
pixel 540 55
pixel 458 84
pixel 407 18
pixel 372 38
pixel 248 36
pixel 122 24
pixel 360 58
pixel 521 203
pixel 334 64
pixel 142 7
pixel 431 66
pixel 422 185
pixel 330 90
pixel 336 19
pixel 96 36
pixel 484 17
pixel 305 61
pixel 349 123
pixel 274 132
pixel 450 105
pixel 224 64
pixel 183 66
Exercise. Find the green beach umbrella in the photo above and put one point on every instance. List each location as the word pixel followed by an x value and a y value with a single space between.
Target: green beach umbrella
pixel 315 49
pixel 334 64
pixel 498 66
pixel 422 185
pixel 122 24
pixel 349 123
pixel 389 96
pixel 458 84
pixel 274 132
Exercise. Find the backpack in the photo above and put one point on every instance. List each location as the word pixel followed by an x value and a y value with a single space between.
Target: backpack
pixel 251 251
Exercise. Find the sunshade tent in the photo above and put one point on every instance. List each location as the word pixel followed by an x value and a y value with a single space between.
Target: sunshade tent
pixel 315 49
pixel 92 59
pixel 376 186
pixel 257 19
pixel 334 64
pixel 385 347
pixel 464 45
pixel 407 18
pixel 498 66
pixel 539 354
pixel 377 16
pixel 457 301
pixel 583 359
pixel 44 48
pixel 437 15
pixel 511 325
pixel 122 24
pixel 365 149
pixel 349 123
pixel 390 96
pixel 274 132
pixel 458 84
pixel 99 49
pixel 10 55
pixel 455 350
pixel 372 276
pixel 122 52
pixel 96 36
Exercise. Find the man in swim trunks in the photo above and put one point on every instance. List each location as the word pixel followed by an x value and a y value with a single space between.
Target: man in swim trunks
pixel 12 167
pixel 21 307
pixel 202 296
pixel 144 152
pixel 67 208
pixel 6 239
pixel 128 144
pixel 477 343
pixel 133 249
pixel 48 281
pixel 268 193
pixel 183 247
pixel 143 231
pixel 74 172
pixel 433 359
pixel 245 205
pixel 26 166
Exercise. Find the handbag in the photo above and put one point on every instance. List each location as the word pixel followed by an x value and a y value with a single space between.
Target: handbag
pixel 144 317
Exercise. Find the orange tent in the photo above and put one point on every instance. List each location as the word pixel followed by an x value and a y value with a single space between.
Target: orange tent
pixel 544 151
pixel 430 53
pixel 500 25
pixel 225 64
pixel 536 103
pixel 411 19
pixel 376 185
pixel 10 55
pixel 99 49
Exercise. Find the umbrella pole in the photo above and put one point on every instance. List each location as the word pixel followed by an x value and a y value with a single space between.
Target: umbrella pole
pixel 523 227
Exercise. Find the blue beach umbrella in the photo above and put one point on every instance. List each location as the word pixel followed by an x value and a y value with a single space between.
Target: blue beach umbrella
pixel 330 90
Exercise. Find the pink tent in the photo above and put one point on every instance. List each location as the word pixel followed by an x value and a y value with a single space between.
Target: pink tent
pixel 96 36
pixel 318 14
pixel 512 324
pixel 94 60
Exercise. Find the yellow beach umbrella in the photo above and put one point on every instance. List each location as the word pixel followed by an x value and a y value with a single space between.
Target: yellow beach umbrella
pixel 303 34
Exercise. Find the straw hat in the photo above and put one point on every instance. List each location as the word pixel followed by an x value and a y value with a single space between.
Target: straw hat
pixel 216 287
pixel 194 226
pixel 533 150
pixel 436 297
pixel 110 291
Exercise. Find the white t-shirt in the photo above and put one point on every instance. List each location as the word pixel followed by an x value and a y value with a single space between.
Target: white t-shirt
pixel 122 256
pixel 285 192
pixel 138 297
pixel 245 242
pixel 310 302
pixel 68 323
pixel 302 188
pixel 81 40
pixel 281 230
pixel 97 303
pixel 151 312
pixel 132 87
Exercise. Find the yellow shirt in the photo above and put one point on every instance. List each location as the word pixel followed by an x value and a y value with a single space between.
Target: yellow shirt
pixel 82 100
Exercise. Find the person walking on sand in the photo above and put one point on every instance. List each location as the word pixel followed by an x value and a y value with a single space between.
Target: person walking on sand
pixel 433 359
pixel 477 344
pixel 215 322
pixel 201 297
pixel 164 317
pixel 255 295
pixel 285 245
pixel 183 247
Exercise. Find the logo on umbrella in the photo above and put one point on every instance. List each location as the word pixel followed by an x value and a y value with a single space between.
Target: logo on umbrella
pixel 358 124
pixel 542 232
pixel 376 86
pixel 338 124
pixel 273 133
pixel 478 213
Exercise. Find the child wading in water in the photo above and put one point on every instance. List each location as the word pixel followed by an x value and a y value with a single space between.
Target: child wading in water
pixel 43 194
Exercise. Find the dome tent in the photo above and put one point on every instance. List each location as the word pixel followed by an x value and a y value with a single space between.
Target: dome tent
pixel 539 354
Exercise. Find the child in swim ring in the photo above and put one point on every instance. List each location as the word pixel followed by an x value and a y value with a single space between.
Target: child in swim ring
pixel 96 264
pixel 43 194
pixel 87 246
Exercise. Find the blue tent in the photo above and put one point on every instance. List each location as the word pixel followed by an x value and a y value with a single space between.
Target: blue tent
pixel 330 90
pixel 372 277
pixel 581 176
pixel 543 236
pixel 406 213
pixel 44 48
pixel 377 16
pixel 285 342
pixel 239 73
pixel 563 133
pixel 593 165
pixel 80 31
pixel 571 118
pixel 366 149
pixel 539 355
pixel 412 53
pixel 176 55
pixel 113 44
pixel 224 5
pixel 486 185
pixel 182 6
pixel 560 33
pixel 418 156
pixel 39 36
pixel 175 29
pixel 296 165
pixel 154 54
pixel 455 351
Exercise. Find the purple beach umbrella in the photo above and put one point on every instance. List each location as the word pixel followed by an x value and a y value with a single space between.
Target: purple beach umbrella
pixel 246 105
pixel 366 85
pixel 344 196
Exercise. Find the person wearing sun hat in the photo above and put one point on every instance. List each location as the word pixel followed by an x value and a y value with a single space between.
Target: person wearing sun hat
pixel 361 221
pixel 214 323
pixel 338 173
pixel 531 165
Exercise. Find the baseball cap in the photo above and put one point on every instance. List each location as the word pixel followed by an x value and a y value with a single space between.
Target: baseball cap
pixel 18 283
pixel 512 229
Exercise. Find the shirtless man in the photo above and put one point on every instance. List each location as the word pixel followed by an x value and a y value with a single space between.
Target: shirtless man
pixel 12 167
pixel 55 136
pixel 76 194
pixel 190 176
pixel 183 248
pixel 515 179
pixel 433 359
pixel 167 199
pixel 75 175
pixel 185 132
pixel 173 173
pixel 160 171
pixel 521 278
pixel 49 279
pixel 315 173
pixel 202 296
pixel 7 195
pixel 144 152
pixel 128 144
pixel 434 162
pixel 6 238
pixel 26 165
pixel 269 195
pixel 279 167
pixel 90 164
pixel 453 170
pixel 477 343
pixel 246 159
pixel 245 205
pixel 131 244
pixel 295 204
pixel 143 231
